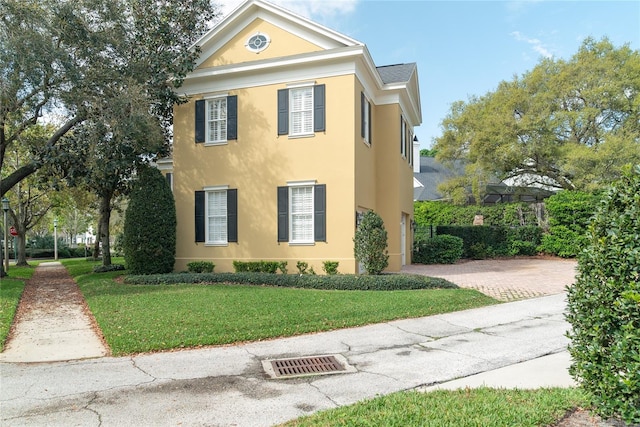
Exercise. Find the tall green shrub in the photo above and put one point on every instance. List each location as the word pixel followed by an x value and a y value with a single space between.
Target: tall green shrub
pixel 149 242
pixel 444 249
pixel 604 304
pixel 569 213
pixel 370 244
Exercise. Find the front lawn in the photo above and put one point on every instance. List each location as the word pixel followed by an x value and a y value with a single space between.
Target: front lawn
pixel 11 288
pixel 459 408
pixel 142 318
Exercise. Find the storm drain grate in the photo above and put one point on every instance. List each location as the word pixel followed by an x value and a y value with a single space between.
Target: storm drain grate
pixel 304 366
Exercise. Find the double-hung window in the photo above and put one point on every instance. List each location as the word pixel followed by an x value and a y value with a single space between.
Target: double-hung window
pixel 216 215
pixel 302 213
pixel 217 120
pixel 365 118
pixel 301 110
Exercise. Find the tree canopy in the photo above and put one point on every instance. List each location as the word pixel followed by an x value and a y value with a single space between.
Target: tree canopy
pixel 73 60
pixel 571 124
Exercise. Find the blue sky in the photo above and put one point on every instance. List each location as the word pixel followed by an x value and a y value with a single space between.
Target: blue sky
pixel 466 48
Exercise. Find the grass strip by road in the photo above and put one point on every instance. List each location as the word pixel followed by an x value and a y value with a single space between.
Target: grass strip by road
pixel 143 318
pixel 11 288
pixel 459 408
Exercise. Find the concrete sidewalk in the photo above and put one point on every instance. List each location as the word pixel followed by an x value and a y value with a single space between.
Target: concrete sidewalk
pixel 227 386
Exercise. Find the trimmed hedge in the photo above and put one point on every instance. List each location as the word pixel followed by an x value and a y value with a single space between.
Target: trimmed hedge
pixel 200 267
pixel 443 249
pixel 482 241
pixel 270 267
pixel 384 282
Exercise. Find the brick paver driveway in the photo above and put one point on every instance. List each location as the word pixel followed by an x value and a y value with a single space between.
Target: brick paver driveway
pixel 505 279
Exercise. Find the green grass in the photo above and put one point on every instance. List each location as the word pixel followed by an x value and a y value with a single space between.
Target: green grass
pixel 458 408
pixel 144 318
pixel 11 288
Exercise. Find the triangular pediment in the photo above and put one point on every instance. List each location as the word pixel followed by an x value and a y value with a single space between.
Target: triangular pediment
pixel 286 33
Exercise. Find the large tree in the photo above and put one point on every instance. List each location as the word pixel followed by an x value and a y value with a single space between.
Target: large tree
pixel 70 59
pixel 574 121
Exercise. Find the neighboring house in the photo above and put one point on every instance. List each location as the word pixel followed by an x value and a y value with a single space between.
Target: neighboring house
pixel 429 173
pixel 290 133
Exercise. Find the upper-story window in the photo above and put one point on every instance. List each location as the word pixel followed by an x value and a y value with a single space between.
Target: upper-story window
pixel 301 110
pixel 403 137
pixel 258 42
pixel 216 120
pixel 365 118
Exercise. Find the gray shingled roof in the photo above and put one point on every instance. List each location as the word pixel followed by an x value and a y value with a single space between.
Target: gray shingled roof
pixel 398 73
pixel 431 174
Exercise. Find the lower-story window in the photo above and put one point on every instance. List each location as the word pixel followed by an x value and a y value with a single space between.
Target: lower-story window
pixel 216 215
pixel 302 213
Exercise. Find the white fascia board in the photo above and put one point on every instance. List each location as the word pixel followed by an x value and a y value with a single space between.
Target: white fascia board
pixel 295 68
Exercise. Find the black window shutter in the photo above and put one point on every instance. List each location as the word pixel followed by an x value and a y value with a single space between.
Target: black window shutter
pixel 283 214
pixel 200 120
pixel 362 104
pixel 369 122
pixel 283 111
pixel 199 216
pixel 169 178
pixel 232 117
pixel 232 215
pixel 320 213
pixel 318 108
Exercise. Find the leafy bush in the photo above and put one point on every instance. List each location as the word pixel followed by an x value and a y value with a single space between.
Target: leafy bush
pixel 563 242
pixel 569 213
pixel 479 241
pixel 270 267
pixel 604 304
pixel 520 247
pixel 200 267
pixel 330 267
pixel 370 244
pixel 443 249
pixel 108 268
pixel 384 282
pixel 282 266
pixel 149 242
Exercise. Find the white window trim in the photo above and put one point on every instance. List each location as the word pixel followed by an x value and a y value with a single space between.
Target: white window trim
pixel 250 49
pixel 304 133
pixel 208 190
pixel 207 99
pixel 299 184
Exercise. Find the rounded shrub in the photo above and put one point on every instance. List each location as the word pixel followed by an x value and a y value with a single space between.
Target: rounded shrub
pixel 370 243
pixel 149 242
pixel 604 304
pixel 440 249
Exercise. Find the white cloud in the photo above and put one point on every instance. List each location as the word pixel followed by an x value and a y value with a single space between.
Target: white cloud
pixel 536 44
pixel 317 10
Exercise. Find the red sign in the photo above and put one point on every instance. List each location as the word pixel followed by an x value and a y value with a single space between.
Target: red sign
pixel 13 231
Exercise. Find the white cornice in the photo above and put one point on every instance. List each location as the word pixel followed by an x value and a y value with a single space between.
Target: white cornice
pixel 250 10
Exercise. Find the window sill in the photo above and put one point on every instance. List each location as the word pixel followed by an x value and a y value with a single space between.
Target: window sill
pixel 304 135
pixel 221 244
pixel 302 243
pixel 210 144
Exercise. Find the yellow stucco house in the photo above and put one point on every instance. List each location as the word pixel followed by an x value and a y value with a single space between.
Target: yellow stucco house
pixel 291 131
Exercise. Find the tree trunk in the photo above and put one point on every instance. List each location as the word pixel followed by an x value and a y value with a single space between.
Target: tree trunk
pixel 22 250
pixel 96 245
pixel 103 226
